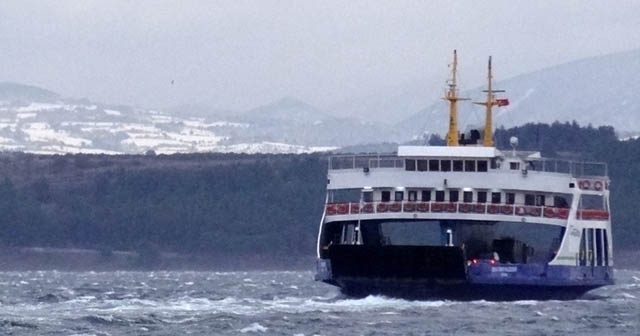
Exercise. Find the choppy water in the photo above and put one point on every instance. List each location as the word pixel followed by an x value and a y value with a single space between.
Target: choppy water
pixel 284 303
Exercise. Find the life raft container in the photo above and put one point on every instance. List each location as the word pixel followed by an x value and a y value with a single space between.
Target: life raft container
pixel 422 207
pixel 331 209
pixel 395 207
pixel 343 208
pixel 382 207
pixel 409 207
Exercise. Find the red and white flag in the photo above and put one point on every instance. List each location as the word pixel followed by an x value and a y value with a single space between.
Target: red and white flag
pixel 502 102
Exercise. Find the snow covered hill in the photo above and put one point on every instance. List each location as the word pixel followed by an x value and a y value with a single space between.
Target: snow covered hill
pixel 597 91
pixel 39 121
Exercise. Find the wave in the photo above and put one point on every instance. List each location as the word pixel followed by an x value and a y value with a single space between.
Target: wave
pixel 254 327
pixel 118 320
pixel 19 324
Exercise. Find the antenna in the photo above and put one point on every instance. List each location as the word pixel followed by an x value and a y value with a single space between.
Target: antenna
pixel 489 103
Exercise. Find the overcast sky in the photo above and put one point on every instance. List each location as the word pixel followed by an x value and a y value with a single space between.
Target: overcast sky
pixel 240 54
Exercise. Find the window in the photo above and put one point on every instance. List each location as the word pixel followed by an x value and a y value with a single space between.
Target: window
pixel 345 195
pixel 457 165
pixel 367 196
pixel 529 199
pixel 494 163
pixel 560 202
pixel 470 165
pixel 413 195
pixel 496 197
pixel 511 198
pixel 514 165
pixel 482 166
pixel 482 197
pixel 386 196
pixel 426 196
pixel 439 195
pixel 349 234
pixel 454 195
pixel 434 165
pixel 399 195
pixel 467 196
pixel 540 200
pixel 410 165
pixel 422 165
pixel 445 165
pixel 592 202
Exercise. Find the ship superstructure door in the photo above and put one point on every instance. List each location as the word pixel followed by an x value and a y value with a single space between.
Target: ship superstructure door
pixel 349 234
pixel 594 248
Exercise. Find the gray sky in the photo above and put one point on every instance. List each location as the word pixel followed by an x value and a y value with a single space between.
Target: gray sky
pixel 240 54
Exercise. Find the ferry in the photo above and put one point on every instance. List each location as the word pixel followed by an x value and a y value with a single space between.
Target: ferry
pixel 466 220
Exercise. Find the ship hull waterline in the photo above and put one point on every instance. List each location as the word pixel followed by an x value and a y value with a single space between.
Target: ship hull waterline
pixel 437 272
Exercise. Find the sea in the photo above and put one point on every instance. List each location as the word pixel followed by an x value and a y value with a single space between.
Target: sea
pixel 285 303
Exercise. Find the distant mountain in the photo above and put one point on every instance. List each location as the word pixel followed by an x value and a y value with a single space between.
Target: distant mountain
pixel 295 122
pixel 390 105
pixel 286 109
pixel 40 121
pixel 14 92
pixel 597 91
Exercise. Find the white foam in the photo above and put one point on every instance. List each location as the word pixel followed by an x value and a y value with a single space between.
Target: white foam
pixel 253 327
pixel 628 296
pixel 526 303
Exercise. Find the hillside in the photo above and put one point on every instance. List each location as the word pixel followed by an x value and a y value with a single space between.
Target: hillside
pixel 596 91
pixel 39 121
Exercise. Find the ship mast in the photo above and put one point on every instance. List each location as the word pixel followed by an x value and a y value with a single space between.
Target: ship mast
pixel 452 96
pixel 489 103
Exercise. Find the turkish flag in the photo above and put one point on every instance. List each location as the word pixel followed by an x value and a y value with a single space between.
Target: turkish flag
pixel 502 102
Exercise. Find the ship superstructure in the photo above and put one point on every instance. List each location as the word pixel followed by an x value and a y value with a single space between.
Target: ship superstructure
pixel 465 220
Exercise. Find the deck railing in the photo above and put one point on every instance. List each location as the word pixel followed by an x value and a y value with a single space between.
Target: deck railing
pixel 352 208
pixel 374 161
pixel 365 161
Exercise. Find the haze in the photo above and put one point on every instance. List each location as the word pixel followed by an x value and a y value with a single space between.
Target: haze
pixel 241 54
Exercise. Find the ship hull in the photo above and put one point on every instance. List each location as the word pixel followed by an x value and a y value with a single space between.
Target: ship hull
pixel 442 272
pixel 426 289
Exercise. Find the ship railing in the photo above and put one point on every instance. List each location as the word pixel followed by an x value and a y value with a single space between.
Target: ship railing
pixel 551 212
pixel 373 161
pixel 575 168
pixel 367 161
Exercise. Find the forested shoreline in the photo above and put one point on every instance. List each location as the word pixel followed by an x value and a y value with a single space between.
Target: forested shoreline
pixel 232 206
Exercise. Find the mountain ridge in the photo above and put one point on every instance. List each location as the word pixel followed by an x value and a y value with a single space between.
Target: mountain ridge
pixel 599 91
